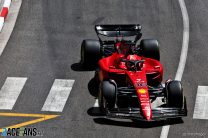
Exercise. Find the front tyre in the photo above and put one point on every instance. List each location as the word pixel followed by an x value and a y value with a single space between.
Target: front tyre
pixel 107 95
pixel 175 97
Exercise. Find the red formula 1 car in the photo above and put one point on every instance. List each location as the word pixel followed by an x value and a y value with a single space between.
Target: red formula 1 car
pixel 130 75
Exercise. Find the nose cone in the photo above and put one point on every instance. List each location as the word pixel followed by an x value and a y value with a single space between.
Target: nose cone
pixel 147 114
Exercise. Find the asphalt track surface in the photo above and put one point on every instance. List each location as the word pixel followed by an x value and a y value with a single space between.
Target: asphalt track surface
pixel 45 45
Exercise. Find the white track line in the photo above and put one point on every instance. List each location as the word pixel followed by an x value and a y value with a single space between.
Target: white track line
pixel 201 104
pixel 96 109
pixel 96 103
pixel 185 43
pixel 58 95
pixel 184 52
pixel 10 92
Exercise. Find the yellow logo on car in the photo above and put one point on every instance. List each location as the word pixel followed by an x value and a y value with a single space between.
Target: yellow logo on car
pixel 142 91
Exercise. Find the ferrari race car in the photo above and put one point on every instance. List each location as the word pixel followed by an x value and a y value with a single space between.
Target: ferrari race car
pixel 130 75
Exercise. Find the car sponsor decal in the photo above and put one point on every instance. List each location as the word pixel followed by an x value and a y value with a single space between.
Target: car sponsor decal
pixel 142 91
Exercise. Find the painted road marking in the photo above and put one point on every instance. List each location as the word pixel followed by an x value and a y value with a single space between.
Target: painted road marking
pixel 184 52
pixel 157 102
pixel 58 95
pixel 41 118
pixel 96 109
pixel 96 103
pixel 201 104
pixel 10 91
pixel 185 44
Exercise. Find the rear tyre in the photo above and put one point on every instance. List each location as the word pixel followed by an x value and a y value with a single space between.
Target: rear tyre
pixel 175 97
pixel 150 48
pixel 107 95
pixel 90 52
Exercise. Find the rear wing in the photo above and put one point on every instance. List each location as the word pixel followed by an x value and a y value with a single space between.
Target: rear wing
pixel 118 30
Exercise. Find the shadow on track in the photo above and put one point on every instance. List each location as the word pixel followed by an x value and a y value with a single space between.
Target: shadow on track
pixel 80 67
pixel 101 119
pixel 93 84
pixel 93 87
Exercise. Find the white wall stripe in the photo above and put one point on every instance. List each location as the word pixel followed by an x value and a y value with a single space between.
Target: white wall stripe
pixel 58 95
pixel 201 104
pixel 5 7
pixel 10 92
pixel 1 23
pixel 7 3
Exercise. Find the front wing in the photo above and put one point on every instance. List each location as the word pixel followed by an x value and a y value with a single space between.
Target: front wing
pixel 161 113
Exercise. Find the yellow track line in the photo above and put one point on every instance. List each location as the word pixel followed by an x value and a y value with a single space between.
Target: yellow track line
pixel 41 117
pixel 24 115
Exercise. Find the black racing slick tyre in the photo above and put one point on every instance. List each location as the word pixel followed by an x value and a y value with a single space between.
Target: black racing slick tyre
pixel 107 95
pixel 175 97
pixel 150 48
pixel 90 52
